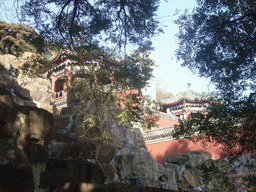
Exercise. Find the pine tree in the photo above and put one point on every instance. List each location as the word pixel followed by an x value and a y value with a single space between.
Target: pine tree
pixel 80 26
pixel 77 23
pixel 17 38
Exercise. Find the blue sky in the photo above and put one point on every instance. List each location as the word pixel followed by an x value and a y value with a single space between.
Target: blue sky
pixel 172 77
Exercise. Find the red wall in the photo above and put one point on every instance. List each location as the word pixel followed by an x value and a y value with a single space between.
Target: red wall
pixel 122 95
pixel 159 150
pixel 163 122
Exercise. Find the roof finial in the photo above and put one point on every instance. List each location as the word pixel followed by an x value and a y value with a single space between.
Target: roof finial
pixel 188 86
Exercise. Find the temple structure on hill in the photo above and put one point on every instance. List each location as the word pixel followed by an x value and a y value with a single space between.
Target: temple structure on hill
pixel 66 68
pixel 186 103
pixel 159 142
pixel 182 106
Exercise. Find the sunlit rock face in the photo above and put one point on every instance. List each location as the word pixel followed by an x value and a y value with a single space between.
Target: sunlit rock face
pixel 26 91
pixel 25 134
pixel 39 89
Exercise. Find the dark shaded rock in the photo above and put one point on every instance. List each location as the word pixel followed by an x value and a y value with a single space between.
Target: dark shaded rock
pixel 85 150
pixel 163 178
pixel 25 131
pixel 106 153
pixel 112 187
pixel 125 166
pixel 59 172
pixel 176 158
pixel 109 170
pixel 68 145
pixel 16 179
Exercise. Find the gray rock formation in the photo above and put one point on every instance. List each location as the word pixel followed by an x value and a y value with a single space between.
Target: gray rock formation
pixel 30 136
pixel 25 137
pixel 39 89
pixel 25 130
pixel 181 170
pixel 25 90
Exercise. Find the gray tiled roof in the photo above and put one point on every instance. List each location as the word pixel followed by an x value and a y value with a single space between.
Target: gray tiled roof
pixel 188 94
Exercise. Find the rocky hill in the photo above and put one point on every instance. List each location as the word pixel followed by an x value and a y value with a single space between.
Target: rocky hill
pixel 50 151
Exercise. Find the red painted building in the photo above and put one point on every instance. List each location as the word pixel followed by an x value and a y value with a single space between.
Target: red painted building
pixel 185 103
pixel 159 141
pixel 66 69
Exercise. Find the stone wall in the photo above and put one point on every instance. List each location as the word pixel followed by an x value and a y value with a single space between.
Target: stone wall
pixel 181 170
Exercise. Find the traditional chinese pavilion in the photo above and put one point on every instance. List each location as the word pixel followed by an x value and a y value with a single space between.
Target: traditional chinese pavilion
pixel 186 103
pixel 159 141
pixel 65 68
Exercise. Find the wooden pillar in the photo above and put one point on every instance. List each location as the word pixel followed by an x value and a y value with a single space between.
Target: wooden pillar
pixel 53 84
pixel 69 78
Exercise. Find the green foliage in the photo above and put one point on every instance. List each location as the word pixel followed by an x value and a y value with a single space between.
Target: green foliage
pixel 109 93
pixel 79 26
pixel 136 109
pixel 217 40
pixel 16 39
pixel 215 175
pixel 34 66
pixel 136 71
pixel 131 109
pixel 77 22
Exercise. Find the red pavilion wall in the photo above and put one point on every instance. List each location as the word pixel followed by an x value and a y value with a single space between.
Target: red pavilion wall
pixel 159 150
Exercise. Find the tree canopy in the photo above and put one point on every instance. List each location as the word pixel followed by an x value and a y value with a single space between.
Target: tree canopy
pixel 217 40
pixel 162 94
pixel 79 22
pixel 162 90
pixel 17 38
pixel 82 27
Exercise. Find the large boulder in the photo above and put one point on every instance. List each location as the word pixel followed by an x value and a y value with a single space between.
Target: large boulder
pixel 58 172
pixel 39 90
pixel 191 179
pixel 8 61
pixel 176 158
pixel 25 131
pixel 198 157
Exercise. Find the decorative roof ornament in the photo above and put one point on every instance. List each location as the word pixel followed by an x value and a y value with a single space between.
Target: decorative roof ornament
pixel 189 95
